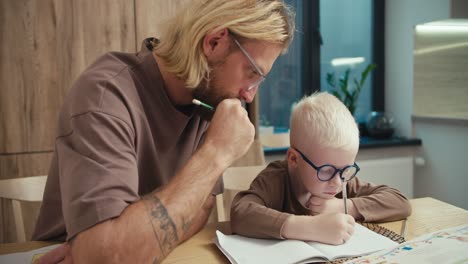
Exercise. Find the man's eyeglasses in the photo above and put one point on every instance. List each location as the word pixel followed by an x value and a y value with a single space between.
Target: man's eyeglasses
pixel 327 172
pixel 261 76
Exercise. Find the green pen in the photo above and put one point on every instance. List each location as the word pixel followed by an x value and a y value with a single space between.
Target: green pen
pixel 198 102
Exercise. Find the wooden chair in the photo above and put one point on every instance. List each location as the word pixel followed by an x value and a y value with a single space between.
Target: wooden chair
pixel 279 140
pixel 253 158
pixel 235 179
pixel 28 189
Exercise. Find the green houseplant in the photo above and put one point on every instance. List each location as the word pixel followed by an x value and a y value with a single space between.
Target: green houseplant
pixel 348 94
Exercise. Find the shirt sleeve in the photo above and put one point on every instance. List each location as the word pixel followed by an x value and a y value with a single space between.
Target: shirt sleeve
pixel 378 203
pixel 257 211
pixel 98 170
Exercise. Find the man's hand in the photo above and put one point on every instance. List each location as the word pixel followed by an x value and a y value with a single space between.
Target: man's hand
pixel 318 205
pixel 334 228
pixel 230 131
pixel 60 254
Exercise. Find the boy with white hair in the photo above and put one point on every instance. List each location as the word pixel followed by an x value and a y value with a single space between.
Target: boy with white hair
pixel 301 197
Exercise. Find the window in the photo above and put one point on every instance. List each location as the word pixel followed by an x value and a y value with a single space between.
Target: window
pixel 327 30
pixel 284 83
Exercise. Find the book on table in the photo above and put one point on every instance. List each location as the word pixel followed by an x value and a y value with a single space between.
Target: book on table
pixel 448 246
pixel 244 250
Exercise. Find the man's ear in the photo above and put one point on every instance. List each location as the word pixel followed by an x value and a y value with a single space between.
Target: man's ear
pixel 216 43
pixel 292 157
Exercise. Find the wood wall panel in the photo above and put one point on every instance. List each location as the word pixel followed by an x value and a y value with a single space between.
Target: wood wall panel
pixel 44 46
pixel 87 29
pixel 151 16
pixel 24 165
pixel 27 75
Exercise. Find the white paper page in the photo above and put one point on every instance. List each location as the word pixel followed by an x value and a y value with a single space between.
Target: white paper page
pixel 362 242
pixel 448 246
pixel 25 257
pixel 244 250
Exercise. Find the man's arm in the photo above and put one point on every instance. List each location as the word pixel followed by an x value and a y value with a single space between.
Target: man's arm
pixel 149 229
pixel 199 221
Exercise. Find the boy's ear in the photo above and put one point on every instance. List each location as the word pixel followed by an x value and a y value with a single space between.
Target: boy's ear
pixel 216 43
pixel 292 157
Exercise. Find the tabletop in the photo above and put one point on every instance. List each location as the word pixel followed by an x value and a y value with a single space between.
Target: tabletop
pixel 428 215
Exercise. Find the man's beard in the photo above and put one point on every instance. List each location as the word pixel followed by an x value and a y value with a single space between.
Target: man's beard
pixel 209 92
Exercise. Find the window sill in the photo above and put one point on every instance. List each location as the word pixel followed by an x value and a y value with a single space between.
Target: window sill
pixel 366 143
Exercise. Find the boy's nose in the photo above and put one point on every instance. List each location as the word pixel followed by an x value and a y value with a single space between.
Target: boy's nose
pixel 336 180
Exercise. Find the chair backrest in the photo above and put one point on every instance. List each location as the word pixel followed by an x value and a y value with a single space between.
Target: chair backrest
pixel 235 179
pixel 276 140
pixel 28 189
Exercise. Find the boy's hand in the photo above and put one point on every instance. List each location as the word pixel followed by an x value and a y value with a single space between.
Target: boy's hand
pixel 318 205
pixel 334 228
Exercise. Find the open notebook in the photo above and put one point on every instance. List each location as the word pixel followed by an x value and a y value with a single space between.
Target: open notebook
pixel 243 250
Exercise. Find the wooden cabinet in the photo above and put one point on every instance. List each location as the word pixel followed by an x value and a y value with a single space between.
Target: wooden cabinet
pixel 390 166
pixel 45 45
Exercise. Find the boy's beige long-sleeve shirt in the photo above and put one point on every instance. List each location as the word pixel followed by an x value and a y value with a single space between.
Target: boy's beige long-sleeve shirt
pixel 262 210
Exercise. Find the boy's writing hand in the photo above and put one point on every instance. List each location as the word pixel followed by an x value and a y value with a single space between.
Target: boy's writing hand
pixel 334 228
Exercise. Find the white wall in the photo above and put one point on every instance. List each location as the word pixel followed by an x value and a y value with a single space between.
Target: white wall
pixel 400 18
pixel 445 149
pixel 445 144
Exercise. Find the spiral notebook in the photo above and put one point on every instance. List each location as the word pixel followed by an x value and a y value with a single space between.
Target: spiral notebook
pixel 243 250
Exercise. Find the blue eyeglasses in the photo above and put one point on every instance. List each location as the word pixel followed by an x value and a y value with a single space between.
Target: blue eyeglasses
pixel 327 172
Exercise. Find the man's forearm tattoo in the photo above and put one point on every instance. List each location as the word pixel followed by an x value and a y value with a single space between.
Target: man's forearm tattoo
pixel 186 224
pixel 164 228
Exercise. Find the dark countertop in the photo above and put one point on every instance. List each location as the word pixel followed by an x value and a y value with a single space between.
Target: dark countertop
pixel 366 143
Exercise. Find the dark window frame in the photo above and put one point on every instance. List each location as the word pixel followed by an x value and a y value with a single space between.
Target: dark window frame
pixel 313 40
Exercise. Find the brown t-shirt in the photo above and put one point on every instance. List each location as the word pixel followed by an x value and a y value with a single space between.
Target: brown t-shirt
pixel 119 137
pixel 262 210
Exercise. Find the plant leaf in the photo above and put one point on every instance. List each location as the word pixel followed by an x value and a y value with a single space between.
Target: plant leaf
pixel 366 72
pixel 331 81
pixel 357 85
pixel 344 83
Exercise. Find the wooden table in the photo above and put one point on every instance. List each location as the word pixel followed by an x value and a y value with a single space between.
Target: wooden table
pixel 428 215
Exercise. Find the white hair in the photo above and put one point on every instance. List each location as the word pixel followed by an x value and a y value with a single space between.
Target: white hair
pixel 323 119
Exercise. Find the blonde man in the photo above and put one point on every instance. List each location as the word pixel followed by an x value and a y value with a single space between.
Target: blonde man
pixel 301 198
pixel 135 165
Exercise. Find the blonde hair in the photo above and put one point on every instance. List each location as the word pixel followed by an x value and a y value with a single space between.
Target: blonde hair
pixel 180 45
pixel 323 119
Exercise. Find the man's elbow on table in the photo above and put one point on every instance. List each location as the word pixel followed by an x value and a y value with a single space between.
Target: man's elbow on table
pixel 108 242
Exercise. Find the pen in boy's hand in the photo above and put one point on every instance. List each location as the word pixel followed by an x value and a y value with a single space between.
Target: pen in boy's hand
pixel 198 102
pixel 345 196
